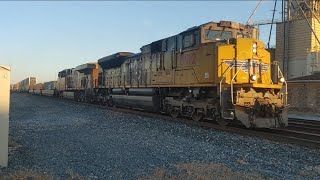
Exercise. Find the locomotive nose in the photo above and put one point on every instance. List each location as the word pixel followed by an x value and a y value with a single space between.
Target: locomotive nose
pixel 259 118
pixel 261 110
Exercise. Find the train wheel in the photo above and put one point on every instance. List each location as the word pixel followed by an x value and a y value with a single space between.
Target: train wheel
pixel 110 103
pixel 174 113
pixel 196 116
pixel 222 122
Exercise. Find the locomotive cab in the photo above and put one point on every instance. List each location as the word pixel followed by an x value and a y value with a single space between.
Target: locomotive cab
pixel 213 32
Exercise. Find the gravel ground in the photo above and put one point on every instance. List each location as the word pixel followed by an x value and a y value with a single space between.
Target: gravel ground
pixel 57 136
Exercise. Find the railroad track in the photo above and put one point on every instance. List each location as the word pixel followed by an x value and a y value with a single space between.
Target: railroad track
pixel 300 132
pixel 307 126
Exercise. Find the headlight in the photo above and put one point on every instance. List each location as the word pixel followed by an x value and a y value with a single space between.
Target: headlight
pixel 282 79
pixel 253 77
pixel 254 48
pixel 254 45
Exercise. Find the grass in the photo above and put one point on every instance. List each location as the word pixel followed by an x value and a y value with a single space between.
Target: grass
pixel 201 171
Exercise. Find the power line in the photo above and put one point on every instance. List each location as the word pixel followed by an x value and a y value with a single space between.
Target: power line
pixel 254 11
pixel 274 10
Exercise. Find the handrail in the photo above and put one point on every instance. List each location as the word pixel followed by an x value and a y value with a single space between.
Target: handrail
pixel 286 90
pixel 223 77
pixel 233 80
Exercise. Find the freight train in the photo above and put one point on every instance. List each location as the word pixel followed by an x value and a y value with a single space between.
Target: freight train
pixel 218 71
pixel 24 85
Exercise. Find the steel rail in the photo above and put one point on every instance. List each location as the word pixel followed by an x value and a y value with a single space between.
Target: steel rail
pixel 304 121
pixel 308 126
pixel 305 124
pixel 302 128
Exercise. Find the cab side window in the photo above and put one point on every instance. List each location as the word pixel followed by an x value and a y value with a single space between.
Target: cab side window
pixel 179 41
pixel 188 40
pixel 191 39
pixel 197 37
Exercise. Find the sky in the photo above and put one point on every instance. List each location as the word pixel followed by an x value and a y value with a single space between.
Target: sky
pixel 40 39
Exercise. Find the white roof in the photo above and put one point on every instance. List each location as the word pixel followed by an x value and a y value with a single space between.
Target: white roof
pixel 5 67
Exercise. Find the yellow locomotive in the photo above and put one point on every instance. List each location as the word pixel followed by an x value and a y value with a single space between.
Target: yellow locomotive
pixel 218 71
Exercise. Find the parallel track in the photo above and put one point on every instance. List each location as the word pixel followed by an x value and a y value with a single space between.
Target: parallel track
pixel 303 133
pixel 307 126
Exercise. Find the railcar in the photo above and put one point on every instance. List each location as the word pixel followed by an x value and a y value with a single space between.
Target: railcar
pixel 49 88
pixel 37 89
pixel 65 83
pixel 26 84
pixel 87 82
pixel 79 83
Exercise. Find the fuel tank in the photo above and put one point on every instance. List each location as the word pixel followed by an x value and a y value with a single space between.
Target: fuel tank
pixel 48 92
pixel 117 91
pixel 149 103
pixel 142 91
pixel 38 92
pixel 68 95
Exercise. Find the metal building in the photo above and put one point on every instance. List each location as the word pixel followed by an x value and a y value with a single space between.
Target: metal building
pixel 297 38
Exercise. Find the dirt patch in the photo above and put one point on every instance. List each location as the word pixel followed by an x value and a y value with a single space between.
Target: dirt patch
pixel 74 176
pixel 311 171
pixel 201 171
pixel 35 175
pixel 12 146
pixel 27 175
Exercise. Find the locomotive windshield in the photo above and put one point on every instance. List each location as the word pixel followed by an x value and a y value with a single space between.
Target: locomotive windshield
pixel 240 35
pixel 217 34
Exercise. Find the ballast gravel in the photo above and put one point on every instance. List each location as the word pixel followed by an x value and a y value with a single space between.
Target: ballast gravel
pixel 56 136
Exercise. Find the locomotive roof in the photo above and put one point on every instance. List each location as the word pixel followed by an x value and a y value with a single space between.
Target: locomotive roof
pixel 66 70
pixel 134 55
pixel 114 60
pixel 230 24
pixel 86 67
pixel 49 82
